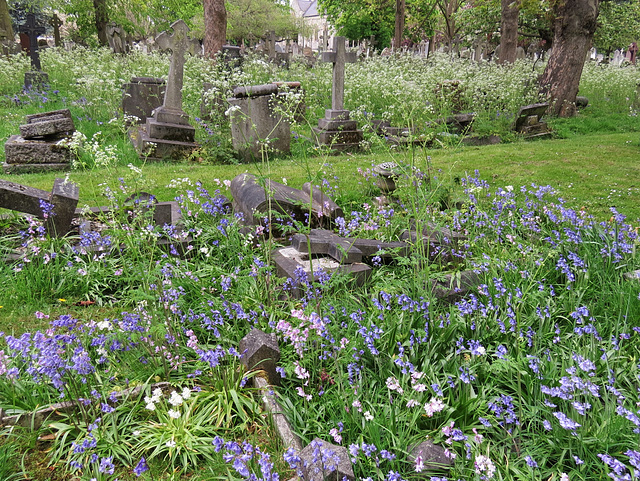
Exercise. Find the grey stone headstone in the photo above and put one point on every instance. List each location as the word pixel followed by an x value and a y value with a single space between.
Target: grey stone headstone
pixel 260 351
pixel 323 461
pixel 141 96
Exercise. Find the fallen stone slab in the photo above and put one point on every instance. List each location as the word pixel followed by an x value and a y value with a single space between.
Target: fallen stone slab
pixel 47 127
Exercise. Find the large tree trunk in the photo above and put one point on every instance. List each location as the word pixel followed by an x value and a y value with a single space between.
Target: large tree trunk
pixel 399 32
pixel 509 31
pixel 215 27
pixel 6 30
pixel 102 19
pixel 573 29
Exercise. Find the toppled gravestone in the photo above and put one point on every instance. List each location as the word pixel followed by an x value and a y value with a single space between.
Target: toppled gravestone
pixel 529 121
pixel 41 145
pixel 57 207
pixel 255 200
pixel 322 250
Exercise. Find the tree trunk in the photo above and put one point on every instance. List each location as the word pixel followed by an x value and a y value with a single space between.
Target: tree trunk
pixel 509 31
pixel 102 19
pixel 6 30
pixel 399 33
pixel 215 27
pixel 573 29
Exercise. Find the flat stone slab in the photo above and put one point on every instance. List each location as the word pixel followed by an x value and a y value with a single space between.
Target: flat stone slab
pixel 290 263
pixel 168 131
pixel 342 249
pixel 30 168
pixel 45 126
pixel 22 151
pixel 53 113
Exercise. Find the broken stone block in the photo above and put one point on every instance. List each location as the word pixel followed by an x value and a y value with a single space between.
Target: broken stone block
pixel 323 461
pixel 431 458
pixel 260 351
pixel 63 199
pixel 47 126
pixel 22 151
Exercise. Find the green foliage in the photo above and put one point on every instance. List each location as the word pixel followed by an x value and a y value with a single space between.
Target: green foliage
pixel 618 25
pixel 249 20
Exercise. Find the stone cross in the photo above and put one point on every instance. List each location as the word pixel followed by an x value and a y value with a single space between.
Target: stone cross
pixel 339 57
pixel 179 44
pixel 56 23
pixel 271 45
pixel 32 29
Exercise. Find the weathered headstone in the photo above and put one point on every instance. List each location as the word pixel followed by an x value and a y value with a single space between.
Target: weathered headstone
pixel 335 129
pixel 168 133
pixel 36 77
pixel 56 23
pixel 528 121
pixel 260 351
pixel 63 199
pixel 255 200
pixel 141 96
pixel 115 37
pixel 42 145
pixel 323 461
pixel 256 127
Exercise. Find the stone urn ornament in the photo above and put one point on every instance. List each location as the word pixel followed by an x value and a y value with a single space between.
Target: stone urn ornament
pixel 387 172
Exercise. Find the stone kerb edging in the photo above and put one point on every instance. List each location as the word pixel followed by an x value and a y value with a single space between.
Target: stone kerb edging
pixel 56 412
pixel 260 351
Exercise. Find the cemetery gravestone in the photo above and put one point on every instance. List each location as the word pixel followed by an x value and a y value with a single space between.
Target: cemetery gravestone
pixel 141 96
pixel 260 351
pixel 115 37
pixel 36 77
pixel 42 145
pixel 168 134
pixel 528 121
pixel 56 23
pixel 256 126
pixel 63 199
pixel 255 200
pixel 335 129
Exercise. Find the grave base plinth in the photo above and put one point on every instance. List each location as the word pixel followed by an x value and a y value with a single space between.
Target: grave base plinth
pixel 22 151
pixel 150 148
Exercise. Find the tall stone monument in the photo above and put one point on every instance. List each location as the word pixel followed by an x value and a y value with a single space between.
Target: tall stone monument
pixel 168 133
pixel 36 77
pixel 336 129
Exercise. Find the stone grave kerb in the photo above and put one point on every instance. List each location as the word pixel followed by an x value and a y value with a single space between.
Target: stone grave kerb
pixel 33 30
pixel 180 44
pixel 339 57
